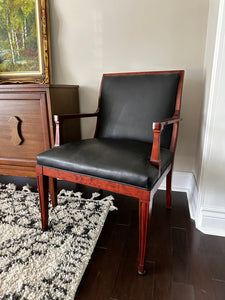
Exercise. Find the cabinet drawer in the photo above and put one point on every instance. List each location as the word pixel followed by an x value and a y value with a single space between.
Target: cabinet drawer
pixel 24 126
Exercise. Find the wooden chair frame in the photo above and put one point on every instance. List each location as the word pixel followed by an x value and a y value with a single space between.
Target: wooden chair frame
pixel 145 197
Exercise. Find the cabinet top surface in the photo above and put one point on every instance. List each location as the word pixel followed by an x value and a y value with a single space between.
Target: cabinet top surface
pixel 11 87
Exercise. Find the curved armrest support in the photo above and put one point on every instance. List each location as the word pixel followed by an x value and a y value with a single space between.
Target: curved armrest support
pixel 157 129
pixel 58 119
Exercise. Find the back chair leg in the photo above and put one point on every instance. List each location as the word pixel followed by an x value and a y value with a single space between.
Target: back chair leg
pixel 168 189
pixel 143 229
pixel 43 182
pixel 53 190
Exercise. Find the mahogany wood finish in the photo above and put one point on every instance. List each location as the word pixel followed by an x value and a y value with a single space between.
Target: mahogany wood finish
pixel 43 181
pixel 145 197
pixel 53 190
pixel 143 230
pixel 26 123
pixel 157 128
pixel 142 195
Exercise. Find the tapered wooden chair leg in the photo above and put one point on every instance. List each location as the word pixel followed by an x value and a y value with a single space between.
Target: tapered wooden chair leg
pixel 143 229
pixel 168 189
pixel 42 182
pixel 53 190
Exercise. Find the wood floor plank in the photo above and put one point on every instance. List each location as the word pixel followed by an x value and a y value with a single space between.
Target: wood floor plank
pixel 159 248
pixel 133 286
pixel 182 291
pixel 200 275
pixel 181 259
pixel 103 268
pixel 219 287
pixel 216 266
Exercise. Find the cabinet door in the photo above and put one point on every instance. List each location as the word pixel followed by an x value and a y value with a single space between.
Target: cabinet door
pixel 24 128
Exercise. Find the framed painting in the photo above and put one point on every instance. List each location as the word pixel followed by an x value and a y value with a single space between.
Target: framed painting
pixel 24 42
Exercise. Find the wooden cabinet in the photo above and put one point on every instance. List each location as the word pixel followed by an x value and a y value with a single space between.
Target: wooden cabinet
pixel 26 124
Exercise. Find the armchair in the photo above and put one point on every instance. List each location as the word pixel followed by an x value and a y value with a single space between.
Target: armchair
pixel 133 148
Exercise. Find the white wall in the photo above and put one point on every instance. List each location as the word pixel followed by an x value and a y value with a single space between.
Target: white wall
pixel 210 216
pixel 208 68
pixel 91 37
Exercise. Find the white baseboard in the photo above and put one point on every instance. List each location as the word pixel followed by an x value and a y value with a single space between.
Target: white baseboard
pixel 209 220
pixel 185 182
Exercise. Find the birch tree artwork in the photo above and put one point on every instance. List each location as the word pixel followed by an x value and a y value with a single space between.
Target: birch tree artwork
pixel 18 36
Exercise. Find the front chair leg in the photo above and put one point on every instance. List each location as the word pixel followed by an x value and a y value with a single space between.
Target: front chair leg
pixel 143 229
pixel 42 182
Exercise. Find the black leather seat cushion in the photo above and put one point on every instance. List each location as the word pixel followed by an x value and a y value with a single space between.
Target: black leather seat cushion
pixel 120 160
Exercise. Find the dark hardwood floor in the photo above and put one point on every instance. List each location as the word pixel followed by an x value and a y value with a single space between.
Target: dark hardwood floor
pixel 182 262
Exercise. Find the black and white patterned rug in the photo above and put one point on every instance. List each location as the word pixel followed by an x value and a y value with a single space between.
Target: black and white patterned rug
pixel 46 265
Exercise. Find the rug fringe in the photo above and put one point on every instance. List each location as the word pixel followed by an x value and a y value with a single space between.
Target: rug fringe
pixel 27 188
pixel 68 193
pixel 12 187
pixel 107 199
pixel 9 186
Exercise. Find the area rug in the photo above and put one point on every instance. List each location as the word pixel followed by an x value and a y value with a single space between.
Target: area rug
pixel 46 265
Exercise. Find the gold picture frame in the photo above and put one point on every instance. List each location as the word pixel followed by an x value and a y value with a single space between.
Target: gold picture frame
pixel 25 52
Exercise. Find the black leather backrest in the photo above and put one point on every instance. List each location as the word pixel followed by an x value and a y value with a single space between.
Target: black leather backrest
pixel 130 103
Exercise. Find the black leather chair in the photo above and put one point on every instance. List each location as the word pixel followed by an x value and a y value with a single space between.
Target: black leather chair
pixel 131 153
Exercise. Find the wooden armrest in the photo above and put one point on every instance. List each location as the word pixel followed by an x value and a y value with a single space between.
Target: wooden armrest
pixel 58 119
pixel 160 125
pixel 61 118
pixel 157 129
